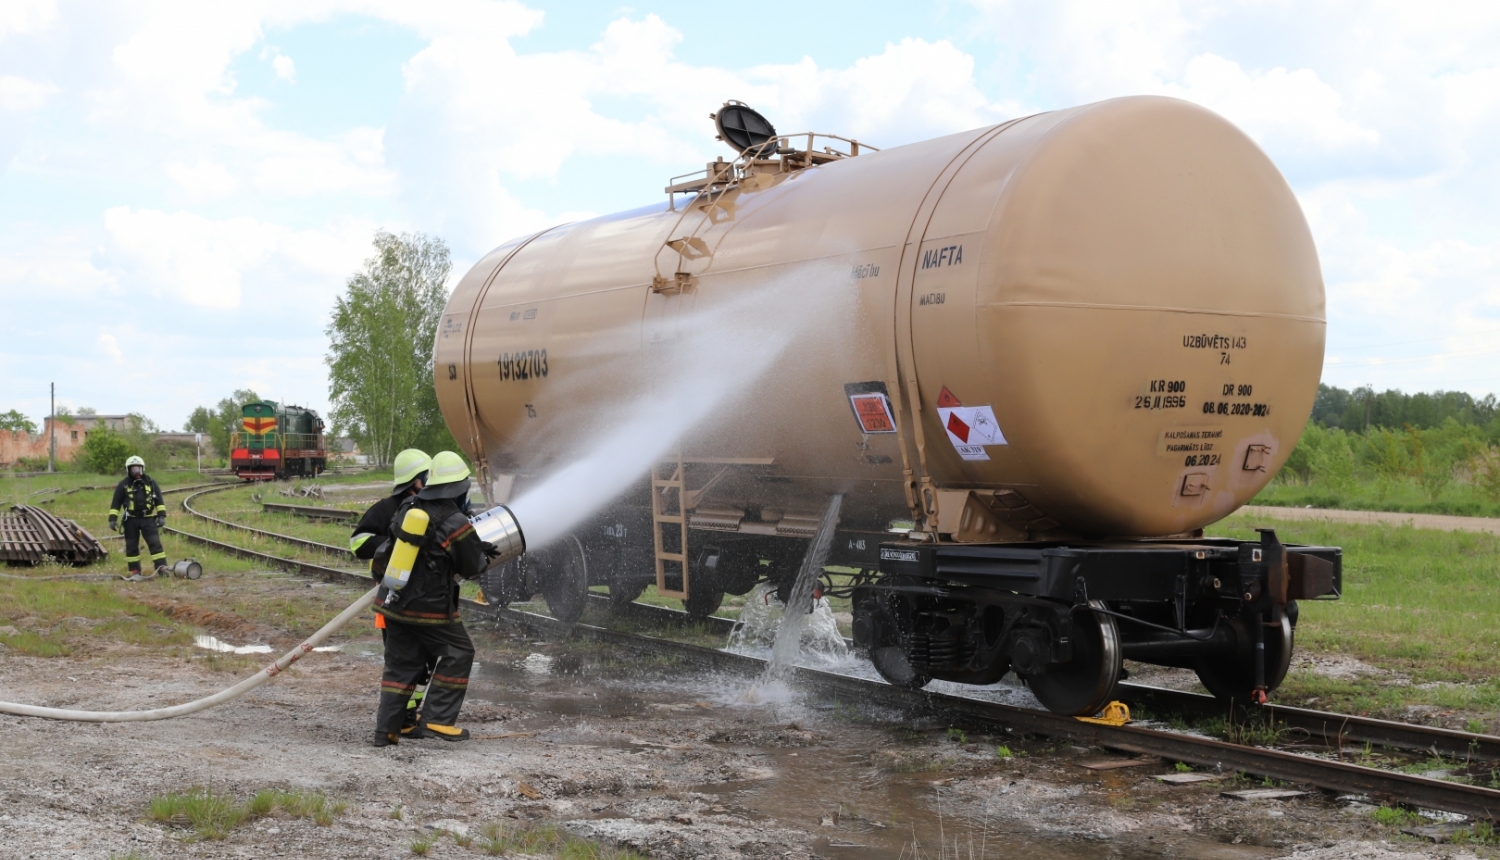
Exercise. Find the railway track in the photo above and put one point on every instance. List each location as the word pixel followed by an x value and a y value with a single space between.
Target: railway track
pixel 1329 774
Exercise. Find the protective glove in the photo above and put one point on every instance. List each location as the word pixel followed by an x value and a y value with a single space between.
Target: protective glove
pixel 114 524
pixel 161 520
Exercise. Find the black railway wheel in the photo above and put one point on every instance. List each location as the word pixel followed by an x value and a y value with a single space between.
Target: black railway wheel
pixel 1085 684
pixel 704 596
pixel 888 654
pixel 501 582
pixel 565 580
pixel 1233 678
pixel 623 592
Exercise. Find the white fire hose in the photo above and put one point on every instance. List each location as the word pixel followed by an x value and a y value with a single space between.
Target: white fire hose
pixel 496 527
pixel 219 698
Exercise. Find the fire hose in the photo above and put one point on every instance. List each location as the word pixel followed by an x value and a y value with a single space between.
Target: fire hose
pixel 496 527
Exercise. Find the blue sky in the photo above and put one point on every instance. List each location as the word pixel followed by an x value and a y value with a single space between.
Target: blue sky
pixel 184 187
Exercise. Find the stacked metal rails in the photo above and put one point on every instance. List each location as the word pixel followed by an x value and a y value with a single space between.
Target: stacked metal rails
pixel 32 535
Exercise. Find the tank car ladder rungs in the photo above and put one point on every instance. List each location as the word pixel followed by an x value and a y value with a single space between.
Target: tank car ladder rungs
pixel 668 514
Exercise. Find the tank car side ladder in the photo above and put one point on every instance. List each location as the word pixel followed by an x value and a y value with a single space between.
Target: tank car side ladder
pixel 669 511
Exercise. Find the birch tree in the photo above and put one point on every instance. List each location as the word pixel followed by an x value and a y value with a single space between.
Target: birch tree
pixel 380 348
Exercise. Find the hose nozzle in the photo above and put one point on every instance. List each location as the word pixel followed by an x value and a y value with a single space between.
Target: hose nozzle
pixel 498 527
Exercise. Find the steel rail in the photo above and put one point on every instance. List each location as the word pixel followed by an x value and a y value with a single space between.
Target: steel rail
pixel 1333 730
pixel 1337 776
pixel 295 541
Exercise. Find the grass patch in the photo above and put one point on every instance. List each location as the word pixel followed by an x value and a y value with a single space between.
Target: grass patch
pixel 1003 751
pixel 549 840
pixel 1395 816
pixel 57 618
pixel 212 816
pixel 1416 601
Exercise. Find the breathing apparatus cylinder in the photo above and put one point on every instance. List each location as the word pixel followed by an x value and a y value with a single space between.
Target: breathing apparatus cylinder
pixel 404 556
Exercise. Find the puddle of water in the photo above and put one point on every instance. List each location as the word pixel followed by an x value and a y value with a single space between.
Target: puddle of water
pixel 213 643
pixel 837 791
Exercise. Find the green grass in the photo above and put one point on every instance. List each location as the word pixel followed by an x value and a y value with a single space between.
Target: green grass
pixel 1417 601
pixel 212 816
pixel 60 618
pixel 1405 496
pixel 548 840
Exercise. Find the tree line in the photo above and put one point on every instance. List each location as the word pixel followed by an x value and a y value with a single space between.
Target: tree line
pixel 1363 408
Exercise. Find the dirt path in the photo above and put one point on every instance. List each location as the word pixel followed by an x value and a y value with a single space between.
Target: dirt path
pixel 1422 521
pixel 619 749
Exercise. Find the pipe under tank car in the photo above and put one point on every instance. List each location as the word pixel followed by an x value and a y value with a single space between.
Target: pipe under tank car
pixel 1065 344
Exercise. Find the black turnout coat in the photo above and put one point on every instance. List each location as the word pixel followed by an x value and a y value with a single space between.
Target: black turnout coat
pixel 449 548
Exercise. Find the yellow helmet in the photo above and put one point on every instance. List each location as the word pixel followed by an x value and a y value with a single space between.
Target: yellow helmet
pixel 411 464
pixel 448 478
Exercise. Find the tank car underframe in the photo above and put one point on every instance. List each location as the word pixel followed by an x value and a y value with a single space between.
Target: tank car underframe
pixel 1065 616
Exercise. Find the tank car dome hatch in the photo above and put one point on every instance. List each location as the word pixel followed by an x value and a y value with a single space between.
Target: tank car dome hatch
pixel 744 128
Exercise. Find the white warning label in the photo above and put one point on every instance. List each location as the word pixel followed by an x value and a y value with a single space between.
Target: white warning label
pixel 970 428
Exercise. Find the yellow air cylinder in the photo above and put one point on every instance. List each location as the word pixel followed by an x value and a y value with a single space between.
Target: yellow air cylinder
pixel 404 556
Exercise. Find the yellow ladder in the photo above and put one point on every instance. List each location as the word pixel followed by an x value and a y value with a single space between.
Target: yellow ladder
pixel 669 525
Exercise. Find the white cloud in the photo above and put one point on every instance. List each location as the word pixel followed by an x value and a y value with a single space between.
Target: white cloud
pixel 26 16
pixel 1295 106
pixel 17 93
pixel 56 269
pixel 204 262
pixel 285 69
pixel 111 348
pixel 204 179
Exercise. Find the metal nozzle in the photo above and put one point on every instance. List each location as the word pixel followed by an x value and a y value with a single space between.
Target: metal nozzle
pixel 498 526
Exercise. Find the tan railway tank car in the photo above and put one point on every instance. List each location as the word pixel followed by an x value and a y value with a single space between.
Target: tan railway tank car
pixel 1081 328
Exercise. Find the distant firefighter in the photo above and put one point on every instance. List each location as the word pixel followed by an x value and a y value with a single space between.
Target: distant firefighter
pixel 138 510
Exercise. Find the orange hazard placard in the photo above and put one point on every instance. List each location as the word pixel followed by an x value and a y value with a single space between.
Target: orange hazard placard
pixel 874 412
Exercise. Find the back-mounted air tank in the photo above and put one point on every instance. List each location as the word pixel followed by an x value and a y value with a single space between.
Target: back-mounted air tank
pixel 1105 321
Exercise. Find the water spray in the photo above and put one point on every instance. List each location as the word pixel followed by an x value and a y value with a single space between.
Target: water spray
pixel 496 526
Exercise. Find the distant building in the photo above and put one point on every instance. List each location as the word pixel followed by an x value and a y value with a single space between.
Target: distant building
pixel 71 430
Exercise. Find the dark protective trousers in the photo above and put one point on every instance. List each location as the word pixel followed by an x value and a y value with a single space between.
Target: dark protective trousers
pixel 135 529
pixel 409 648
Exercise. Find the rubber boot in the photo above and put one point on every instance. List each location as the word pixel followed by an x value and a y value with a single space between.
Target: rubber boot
pixel 447 733
pixel 385 739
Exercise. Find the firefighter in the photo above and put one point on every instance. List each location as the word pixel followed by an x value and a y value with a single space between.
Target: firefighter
pixel 421 618
pixel 371 541
pixel 139 511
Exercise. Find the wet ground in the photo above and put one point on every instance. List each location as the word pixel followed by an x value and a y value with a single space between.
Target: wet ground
pixel 626 749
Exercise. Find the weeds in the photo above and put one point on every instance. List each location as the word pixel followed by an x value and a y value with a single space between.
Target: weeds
pixel 1003 751
pixel 548 839
pixel 1182 767
pixel 211 816
pixel 422 845
pixel 1395 816
pixel 958 736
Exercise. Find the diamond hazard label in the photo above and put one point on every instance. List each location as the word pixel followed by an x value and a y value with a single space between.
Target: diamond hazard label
pixel 958 428
pixel 970 428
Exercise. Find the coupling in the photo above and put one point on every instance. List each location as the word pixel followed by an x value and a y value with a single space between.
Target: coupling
pixel 498 527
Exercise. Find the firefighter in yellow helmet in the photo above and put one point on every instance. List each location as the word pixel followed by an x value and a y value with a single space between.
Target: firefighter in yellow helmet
pixel 422 626
pixel 372 542
pixel 139 511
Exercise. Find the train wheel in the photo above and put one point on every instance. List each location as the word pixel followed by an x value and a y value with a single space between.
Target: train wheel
pixel 565 580
pixel 1233 678
pixel 1084 685
pixel 889 656
pixel 704 597
pixel 623 592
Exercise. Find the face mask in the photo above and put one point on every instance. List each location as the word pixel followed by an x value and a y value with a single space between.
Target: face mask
pixel 135 471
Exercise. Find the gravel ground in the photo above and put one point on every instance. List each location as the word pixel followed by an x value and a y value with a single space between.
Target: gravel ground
pixel 624 751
